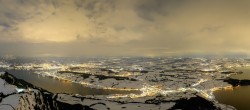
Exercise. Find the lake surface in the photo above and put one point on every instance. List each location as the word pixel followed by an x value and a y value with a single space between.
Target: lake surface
pixel 59 86
pixel 244 75
pixel 239 97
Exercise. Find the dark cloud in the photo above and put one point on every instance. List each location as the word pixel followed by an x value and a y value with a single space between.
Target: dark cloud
pixel 5 25
pixel 211 28
pixel 150 9
pixel 79 4
pixel 95 8
pixel 119 28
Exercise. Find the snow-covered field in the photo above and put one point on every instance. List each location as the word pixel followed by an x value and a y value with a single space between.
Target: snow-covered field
pixel 169 78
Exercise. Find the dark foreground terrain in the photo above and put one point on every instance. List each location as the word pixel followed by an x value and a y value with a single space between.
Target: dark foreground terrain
pixel 16 94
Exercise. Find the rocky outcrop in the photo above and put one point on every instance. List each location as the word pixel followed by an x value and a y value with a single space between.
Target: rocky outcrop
pixel 194 103
pixel 20 95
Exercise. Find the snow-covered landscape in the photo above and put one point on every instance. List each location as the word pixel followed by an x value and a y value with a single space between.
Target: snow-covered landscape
pixel 151 83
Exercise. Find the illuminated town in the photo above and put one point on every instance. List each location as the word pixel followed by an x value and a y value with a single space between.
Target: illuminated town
pixel 151 77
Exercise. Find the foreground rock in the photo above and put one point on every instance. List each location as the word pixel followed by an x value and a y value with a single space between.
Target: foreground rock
pixel 16 94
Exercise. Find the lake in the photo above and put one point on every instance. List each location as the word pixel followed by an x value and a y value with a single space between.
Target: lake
pixel 238 97
pixel 60 86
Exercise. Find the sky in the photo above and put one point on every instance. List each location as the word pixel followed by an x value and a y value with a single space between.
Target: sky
pixel 124 27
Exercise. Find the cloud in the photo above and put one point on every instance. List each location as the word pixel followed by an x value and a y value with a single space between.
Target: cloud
pixel 121 27
pixel 151 9
pixel 78 20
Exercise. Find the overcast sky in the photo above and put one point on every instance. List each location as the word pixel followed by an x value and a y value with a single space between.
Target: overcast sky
pixel 124 27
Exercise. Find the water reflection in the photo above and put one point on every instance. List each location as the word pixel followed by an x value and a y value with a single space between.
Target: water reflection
pixel 244 75
pixel 238 97
pixel 59 86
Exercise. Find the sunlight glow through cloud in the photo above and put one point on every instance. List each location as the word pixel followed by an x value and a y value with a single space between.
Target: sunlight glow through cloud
pixel 119 27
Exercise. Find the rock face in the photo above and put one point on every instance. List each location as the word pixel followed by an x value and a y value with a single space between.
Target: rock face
pixel 20 95
pixel 16 94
